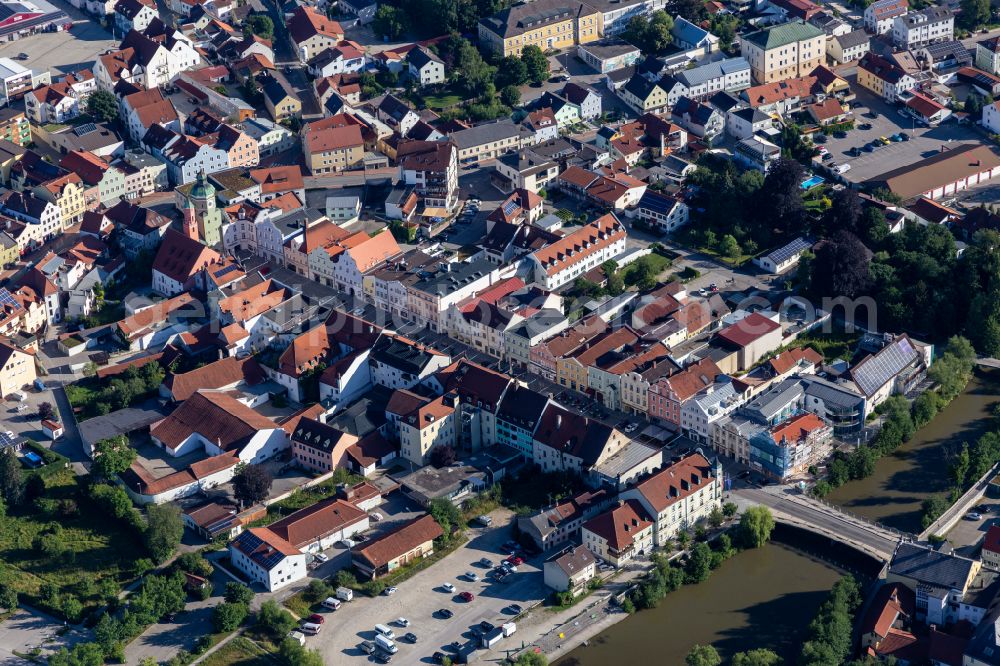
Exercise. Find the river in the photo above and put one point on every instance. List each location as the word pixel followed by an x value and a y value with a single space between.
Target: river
pixel 759 598
pixel 919 468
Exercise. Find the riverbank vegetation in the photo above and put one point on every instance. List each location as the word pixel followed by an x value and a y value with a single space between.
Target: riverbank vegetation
pixel 969 465
pixel 951 373
pixel 753 531
pixel 829 638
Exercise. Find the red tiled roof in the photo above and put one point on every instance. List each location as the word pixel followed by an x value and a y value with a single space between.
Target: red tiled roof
pixel 317 521
pixel 382 550
pixel 619 525
pixel 217 417
pixel 748 329
pixel 674 483
pixel 580 244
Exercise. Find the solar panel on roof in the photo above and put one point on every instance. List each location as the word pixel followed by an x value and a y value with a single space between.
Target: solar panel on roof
pixel 509 207
pixel 227 270
pixel 782 254
pixel 86 128
pixel 6 298
pixel 883 366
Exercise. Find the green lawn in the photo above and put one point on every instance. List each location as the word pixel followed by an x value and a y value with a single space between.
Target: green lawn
pixel 238 652
pixel 656 263
pixel 442 101
pixel 97 549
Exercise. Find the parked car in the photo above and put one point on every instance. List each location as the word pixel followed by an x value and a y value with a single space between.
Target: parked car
pixel 389 591
pixel 467 596
pixel 22 56
pixel 486 562
pixel 445 613
pixel 840 134
pixel 321 557
pixel 448 587
pixel 515 608
pixel 515 560
pixel 486 626
pixel 367 646
pixel 438 657
pixel 904 136
pixel 383 657
pixel 974 515
pixel 376 516
pixel 411 637
pixel 402 621
pixel 472 576
pixel 316 618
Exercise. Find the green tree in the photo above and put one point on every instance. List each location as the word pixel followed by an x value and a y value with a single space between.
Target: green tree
pixel 511 71
pixel 510 96
pixel 275 620
pixel 238 593
pixel 703 655
pixel 292 653
pixel 536 63
pixel 390 22
pixel 227 617
pixel 102 105
pixel 8 597
pixel 730 247
pixel 446 514
pixel 756 525
pixel 650 34
pixel 699 563
pixel 260 25
pixel 164 529
pixel 11 481
pixel 251 483
pixel 974 14
pixel 531 658
pixel 715 517
pixel 729 509
pixel 758 657
pixel 113 456
pixel 83 654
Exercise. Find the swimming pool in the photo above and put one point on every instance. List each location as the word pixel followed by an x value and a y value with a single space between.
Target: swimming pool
pixel 812 182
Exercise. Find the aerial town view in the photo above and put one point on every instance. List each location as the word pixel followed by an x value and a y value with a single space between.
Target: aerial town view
pixel 513 332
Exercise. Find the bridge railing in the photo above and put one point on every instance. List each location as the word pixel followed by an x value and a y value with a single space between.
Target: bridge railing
pixel 839 509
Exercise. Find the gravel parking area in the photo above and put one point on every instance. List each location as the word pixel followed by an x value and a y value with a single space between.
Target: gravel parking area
pixel 419 598
pixel 924 141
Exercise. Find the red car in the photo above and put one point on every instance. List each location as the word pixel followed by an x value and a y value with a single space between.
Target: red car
pixel 515 560
pixel 467 596
pixel 316 618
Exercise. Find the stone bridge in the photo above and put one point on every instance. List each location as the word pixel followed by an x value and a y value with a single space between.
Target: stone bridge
pixel 791 507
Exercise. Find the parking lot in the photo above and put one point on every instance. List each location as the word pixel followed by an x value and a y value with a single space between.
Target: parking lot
pixel 63 52
pixel 967 534
pixel 887 121
pixel 26 631
pixel 420 598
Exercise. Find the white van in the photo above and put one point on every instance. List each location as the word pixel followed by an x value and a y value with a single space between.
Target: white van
pixel 331 604
pixel 386 644
pixel 383 630
pixel 310 628
pixel 298 637
pixel 345 593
